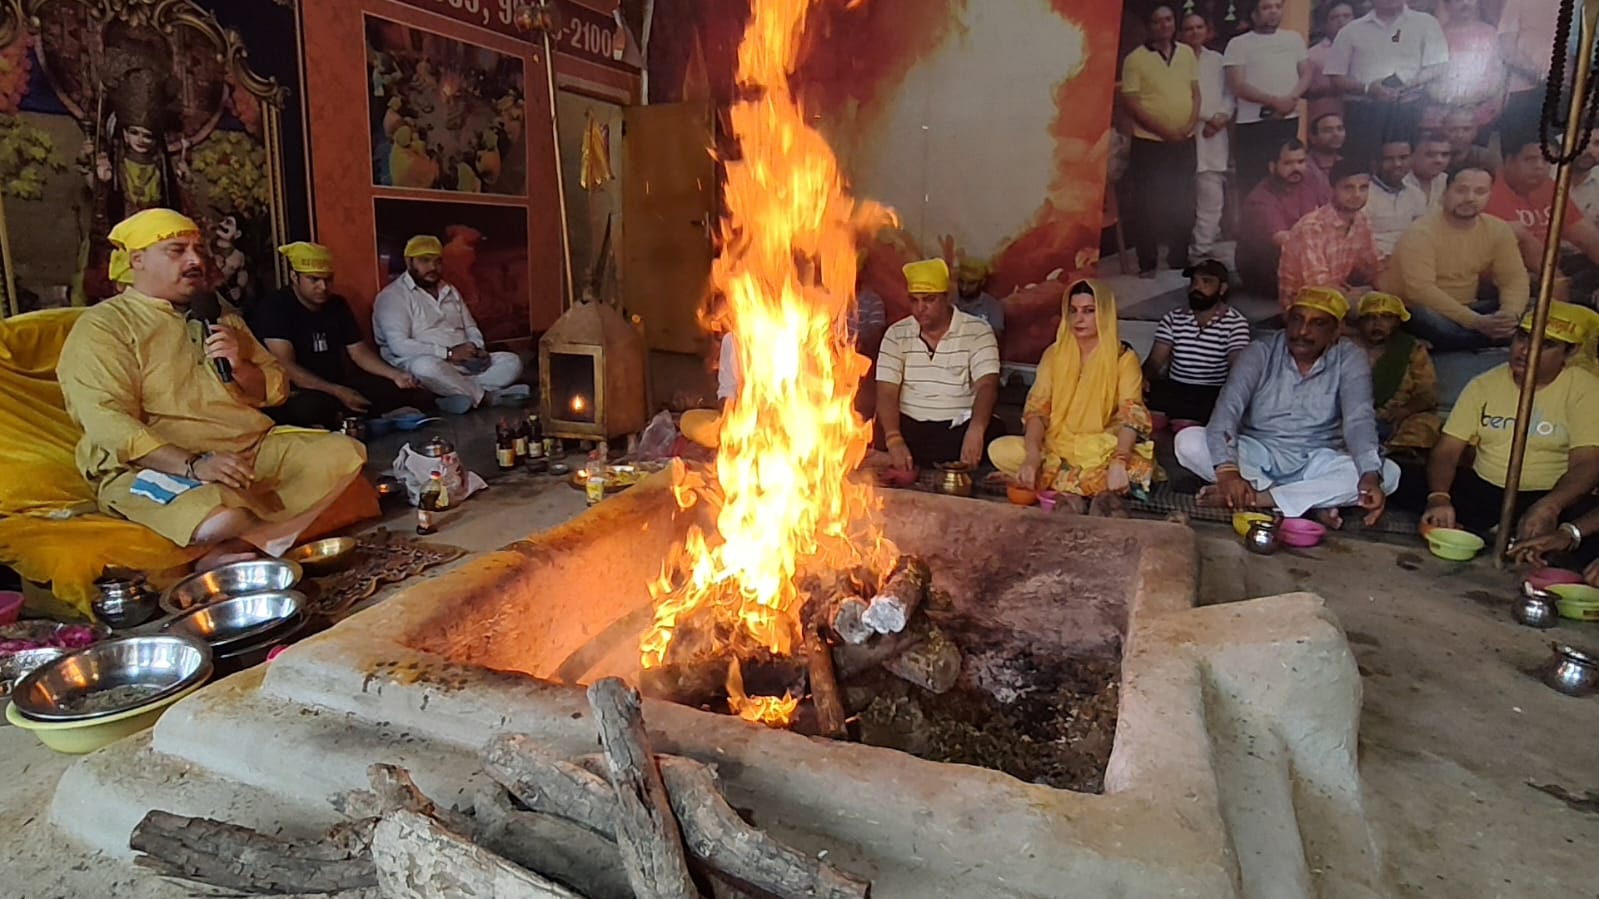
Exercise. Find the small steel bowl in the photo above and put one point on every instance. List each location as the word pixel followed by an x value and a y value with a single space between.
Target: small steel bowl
pixel 143 670
pixel 124 602
pixel 1572 672
pixel 237 579
pixel 1535 608
pixel 239 619
pixel 323 556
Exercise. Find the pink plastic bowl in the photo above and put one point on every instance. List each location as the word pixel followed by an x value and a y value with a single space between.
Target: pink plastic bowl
pixel 1178 425
pixel 1544 578
pixel 10 606
pixel 1159 421
pixel 1301 532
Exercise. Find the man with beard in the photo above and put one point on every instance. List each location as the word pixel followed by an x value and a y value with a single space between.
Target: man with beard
pixel 1428 166
pixel 1395 201
pixel 1438 265
pixel 1561 466
pixel 1333 246
pixel 1287 195
pixel 1294 429
pixel 173 438
pixel 972 298
pixel 423 326
pixel 315 338
pixel 937 377
pixel 1195 347
pixel 1326 140
pixel 1404 384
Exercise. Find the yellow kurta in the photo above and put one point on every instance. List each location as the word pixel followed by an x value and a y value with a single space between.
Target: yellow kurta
pixel 135 378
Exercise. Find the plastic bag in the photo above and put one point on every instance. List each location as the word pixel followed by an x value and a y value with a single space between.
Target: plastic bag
pixel 658 439
pixel 414 470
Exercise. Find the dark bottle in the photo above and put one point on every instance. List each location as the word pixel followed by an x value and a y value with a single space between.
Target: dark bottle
pixel 504 447
pixel 519 440
pixel 433 500
pixel 536 459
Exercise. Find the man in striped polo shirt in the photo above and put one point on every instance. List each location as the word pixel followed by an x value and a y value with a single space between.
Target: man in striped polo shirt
pixel 937 377
pixel 1195 347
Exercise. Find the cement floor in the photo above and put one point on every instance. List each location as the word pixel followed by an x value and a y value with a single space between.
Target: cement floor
pixel 1453 732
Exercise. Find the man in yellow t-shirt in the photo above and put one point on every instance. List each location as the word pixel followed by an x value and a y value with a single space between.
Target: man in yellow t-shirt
pixel 1160 90
pixel 1561 467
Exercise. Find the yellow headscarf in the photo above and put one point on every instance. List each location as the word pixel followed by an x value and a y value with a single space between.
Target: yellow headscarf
pixel 1323 299
pixel 1573 324
pixel 308 258
pixel 140 231
pixel 1082 398
pixel 929 276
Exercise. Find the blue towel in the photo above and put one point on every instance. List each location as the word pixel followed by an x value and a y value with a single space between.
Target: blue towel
pixel 161 488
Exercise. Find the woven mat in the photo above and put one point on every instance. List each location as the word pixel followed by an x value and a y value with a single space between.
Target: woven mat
pixel 381 558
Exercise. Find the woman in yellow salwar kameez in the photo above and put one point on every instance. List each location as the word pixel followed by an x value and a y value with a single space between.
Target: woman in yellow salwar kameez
pixel 1087 426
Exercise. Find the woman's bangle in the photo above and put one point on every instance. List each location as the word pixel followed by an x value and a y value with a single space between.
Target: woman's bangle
pixel 891 438
pixel 1574 532
pixel 1443 493
pixel 188 468
pixel 1121 457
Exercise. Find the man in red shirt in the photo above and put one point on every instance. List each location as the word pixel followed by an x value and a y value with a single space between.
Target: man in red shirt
pixel 1524 196
pixel 1287 195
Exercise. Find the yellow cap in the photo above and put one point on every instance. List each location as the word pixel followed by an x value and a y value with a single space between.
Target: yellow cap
pixel 308 258
pixel 141 231
pixel 1568 323
pixel 1376 303
pixel 423 245
pixel 1323 299
pixel 973 270
pixel 927 276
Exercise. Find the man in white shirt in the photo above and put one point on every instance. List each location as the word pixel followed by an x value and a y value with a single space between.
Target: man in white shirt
pixel 423 326
pixel 1427 167
pixel 1395 200
pixel 1213 152
pixel 1268 71
pixel 1383 62
pixel 937 377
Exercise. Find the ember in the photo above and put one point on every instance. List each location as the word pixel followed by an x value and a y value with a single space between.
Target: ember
pixel 786 511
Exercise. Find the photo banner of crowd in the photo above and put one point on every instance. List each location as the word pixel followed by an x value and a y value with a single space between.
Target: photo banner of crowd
pixel 1340 154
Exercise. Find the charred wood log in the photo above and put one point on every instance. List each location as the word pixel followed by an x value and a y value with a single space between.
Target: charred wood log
pixel 417 858
pixel 646 832
pixel 933 663
pixel 824 686
pixel 560 849
pixel 238 858
pixel 891 610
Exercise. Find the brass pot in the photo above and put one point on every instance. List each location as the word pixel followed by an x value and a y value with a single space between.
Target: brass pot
pixel 955 478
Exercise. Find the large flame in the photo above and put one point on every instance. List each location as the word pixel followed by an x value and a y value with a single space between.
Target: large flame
pixel 783 500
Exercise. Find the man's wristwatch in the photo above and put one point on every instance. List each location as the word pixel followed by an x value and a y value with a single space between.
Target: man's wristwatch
pixel 1574 532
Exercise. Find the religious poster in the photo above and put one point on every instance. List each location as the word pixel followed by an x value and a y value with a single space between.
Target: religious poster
pixel 445 114
pixel 984 126
pixel 104 114
pixel 485 255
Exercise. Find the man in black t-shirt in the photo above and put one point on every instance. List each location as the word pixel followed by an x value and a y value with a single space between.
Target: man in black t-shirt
pixel 314 335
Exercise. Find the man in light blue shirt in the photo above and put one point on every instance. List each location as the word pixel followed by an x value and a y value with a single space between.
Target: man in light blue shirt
pixel 1294 428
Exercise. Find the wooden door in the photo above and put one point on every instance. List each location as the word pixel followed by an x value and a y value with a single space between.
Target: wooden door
pixel 668 202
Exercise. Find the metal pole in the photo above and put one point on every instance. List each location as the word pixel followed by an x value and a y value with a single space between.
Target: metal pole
pixel 560 173
pixel 1546 282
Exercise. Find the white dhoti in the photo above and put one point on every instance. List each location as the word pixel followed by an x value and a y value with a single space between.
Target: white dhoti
pixel 1328 479
pixel 446 379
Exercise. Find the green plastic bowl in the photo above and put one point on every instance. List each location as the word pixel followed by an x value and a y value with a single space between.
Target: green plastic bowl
pixel 1454 545
pixel 1578 602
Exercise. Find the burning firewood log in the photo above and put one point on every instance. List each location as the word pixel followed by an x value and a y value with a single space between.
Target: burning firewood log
pixel 891 609
pixel 848 620
pixel 703 682
pixel 713 831
pixel 646 832
pixel 824 686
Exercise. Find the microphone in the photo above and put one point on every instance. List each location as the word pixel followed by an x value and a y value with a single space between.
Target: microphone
pixel 207 309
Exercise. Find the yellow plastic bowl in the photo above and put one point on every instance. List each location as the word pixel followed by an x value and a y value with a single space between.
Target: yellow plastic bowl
pixel 1454 545
pixel 79 737
pixel 1242 521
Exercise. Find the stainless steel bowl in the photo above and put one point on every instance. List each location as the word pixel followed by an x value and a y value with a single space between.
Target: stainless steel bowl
pixel 1572 672
pixel 238 619
pixel 323 556
pixel 1535 608
pixel 237 579
pixel 124 602
pixel 112 677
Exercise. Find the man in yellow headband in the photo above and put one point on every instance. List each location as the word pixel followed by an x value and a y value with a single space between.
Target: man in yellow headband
pixel 172 438
pixel 1404 384
pixel 973 298
pixel 937 376
pixel 315 338
pixel 424 327
pixel 1561 466
pixel 1294 428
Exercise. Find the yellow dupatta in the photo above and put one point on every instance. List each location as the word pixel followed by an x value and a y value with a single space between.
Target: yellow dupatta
pixel 1081 401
